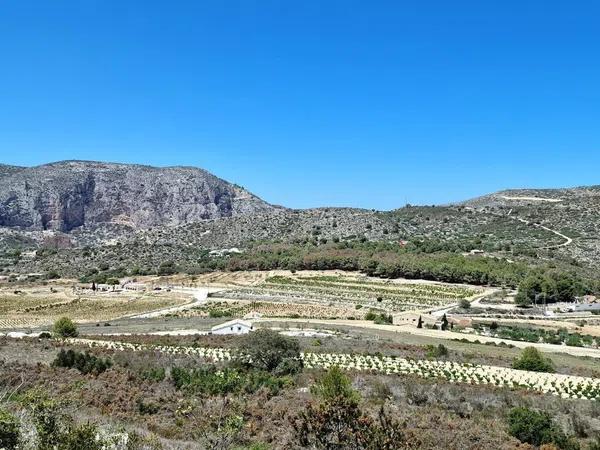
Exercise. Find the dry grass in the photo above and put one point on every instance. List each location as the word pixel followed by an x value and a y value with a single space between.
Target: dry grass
pixel 31 306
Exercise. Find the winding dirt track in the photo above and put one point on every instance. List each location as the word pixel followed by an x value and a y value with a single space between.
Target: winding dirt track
pixel 567 239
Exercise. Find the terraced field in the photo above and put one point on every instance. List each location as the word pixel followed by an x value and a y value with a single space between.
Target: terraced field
pixel 274 309
pixel 347 292
pixel 37 307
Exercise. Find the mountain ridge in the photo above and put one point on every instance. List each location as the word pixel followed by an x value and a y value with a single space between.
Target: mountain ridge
pixel 65 195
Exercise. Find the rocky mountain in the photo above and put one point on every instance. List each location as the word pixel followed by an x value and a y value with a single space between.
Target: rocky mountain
pixel 67 195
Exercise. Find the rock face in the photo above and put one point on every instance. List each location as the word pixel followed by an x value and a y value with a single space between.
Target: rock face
pixel 66 195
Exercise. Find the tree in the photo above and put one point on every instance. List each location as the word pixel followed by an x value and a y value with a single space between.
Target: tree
pixel 270 351
pixel 531 359
pixel 420 323
pixel 528 289
pixel 65 328
pixel 464 303
pixel 444 322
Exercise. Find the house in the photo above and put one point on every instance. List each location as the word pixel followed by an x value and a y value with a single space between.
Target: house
pixel 236 326
pixel 412 318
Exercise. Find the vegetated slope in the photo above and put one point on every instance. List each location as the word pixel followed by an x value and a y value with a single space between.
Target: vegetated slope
pixel 5 169
pixel 574 212
pixel 95 214
pixel 66 195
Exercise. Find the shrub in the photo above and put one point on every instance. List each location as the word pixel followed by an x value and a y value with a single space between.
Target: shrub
pixel 334 384
pixel 153 374
pixel 56 430
pixel 211 381
pixel 270 351
pixel 65 328
pixel 464 303
pixel 9 430
pixel 537 428
pixel 380 319
pixel 338 422
pixel 531 359
pixel 146 408
pixel 84 362
pixel 438 351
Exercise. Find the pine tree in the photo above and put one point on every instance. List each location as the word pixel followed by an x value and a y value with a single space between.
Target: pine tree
pixel 444 323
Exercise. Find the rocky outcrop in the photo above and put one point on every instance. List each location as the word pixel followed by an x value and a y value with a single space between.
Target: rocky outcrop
pixel 66 195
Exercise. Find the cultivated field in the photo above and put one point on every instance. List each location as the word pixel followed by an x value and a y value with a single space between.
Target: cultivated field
pixel 32 306
pixel 352 291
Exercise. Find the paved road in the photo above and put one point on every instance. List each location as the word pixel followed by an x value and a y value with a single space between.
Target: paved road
pixel 437 334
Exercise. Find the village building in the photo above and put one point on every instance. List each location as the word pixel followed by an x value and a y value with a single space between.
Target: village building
pixel 412 318
pixel 236 326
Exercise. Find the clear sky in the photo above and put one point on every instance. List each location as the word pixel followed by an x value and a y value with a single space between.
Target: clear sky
pixel 311 103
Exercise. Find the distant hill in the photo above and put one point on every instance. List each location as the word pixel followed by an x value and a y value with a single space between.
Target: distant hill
pixel 532 197
pixel 66 195
pixel 74 206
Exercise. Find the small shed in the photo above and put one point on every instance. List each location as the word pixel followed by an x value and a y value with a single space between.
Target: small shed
pixel 236 326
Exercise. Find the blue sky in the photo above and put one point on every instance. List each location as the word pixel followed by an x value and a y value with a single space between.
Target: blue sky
pixel 311 103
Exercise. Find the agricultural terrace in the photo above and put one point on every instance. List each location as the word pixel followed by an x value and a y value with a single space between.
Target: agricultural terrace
pixel 41 305
pixel 565 386
pixel 390 295
pixel 239 308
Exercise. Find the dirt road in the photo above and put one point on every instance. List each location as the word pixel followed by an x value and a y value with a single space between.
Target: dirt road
pixel 200 296
pixel 437 334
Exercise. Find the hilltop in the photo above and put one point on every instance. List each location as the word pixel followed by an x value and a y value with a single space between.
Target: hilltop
pixel 66 195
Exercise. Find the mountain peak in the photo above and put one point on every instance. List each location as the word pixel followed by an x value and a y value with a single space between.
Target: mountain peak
pixel 64 195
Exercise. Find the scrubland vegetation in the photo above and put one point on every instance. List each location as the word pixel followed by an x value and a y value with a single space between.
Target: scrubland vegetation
pixel 264 399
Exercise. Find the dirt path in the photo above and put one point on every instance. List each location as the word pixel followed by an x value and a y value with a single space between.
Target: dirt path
pixel 567 239
pixel 444 335
pixel 200 297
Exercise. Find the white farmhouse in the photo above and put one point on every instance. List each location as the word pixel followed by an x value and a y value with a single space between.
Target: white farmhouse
pixel 236 326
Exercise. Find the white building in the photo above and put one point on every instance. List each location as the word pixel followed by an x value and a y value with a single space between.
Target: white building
pixel 236 326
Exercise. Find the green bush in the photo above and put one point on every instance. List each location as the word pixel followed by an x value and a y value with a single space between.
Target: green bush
pixel 153 374
pixel 212 381
pixel 464 303
pixel 57 430
pixel 537 428
pixel 379 318
pixel 84 362
pixel 438 351
pixel 65 328
pixel 337 422
pixel 334 384
pixel 531 359
pixel 9 430
pixel 216 313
